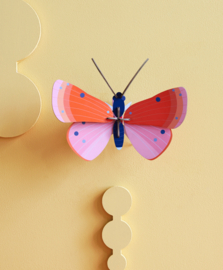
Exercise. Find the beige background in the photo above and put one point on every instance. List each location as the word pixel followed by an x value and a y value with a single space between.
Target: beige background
pixel 21 103
pixel 50 199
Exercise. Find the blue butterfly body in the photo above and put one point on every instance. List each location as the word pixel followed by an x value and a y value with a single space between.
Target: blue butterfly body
pixel 118 104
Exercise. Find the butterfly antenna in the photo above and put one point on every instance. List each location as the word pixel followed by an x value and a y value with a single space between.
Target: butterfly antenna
pixel 134 76
pixel 103 76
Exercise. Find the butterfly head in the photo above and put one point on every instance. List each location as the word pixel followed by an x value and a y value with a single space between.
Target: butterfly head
pixel 118 96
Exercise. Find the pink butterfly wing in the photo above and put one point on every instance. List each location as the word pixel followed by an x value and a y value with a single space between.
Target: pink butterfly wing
pixel 149 141
pixel 88 140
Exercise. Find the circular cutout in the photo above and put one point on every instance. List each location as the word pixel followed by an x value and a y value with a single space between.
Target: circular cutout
pixel 117 262
pixel 117 201
pixel 116 234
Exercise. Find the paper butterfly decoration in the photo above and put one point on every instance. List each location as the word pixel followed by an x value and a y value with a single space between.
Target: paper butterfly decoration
pixel 147 123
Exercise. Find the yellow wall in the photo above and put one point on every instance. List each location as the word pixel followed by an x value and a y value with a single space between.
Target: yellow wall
pixel 50 199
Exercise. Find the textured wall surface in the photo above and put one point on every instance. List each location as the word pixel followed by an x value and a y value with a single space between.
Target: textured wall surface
pixel 50 199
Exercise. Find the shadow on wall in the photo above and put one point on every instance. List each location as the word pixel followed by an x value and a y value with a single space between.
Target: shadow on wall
pixel 44 161
pixel 45 147
pixel 97 237
pixel 90 241
pixel 42 152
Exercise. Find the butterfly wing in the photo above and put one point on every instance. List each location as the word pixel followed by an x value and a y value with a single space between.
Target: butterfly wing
pixel 167 109
pixel 149 141
pixel 71 104
pixel 88 140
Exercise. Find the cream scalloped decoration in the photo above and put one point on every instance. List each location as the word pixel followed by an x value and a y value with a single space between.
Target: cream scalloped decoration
pixel 117 234
pixel 20 102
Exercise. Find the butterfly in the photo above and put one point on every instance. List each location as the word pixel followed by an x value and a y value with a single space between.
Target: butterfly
pixel 147 123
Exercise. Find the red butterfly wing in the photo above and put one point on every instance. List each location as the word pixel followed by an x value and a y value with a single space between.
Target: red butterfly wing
pixel 167 109
pixel 71 104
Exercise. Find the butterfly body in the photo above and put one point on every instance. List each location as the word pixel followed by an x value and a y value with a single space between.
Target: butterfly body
pixel 118 127
pixel 119 140
pixel 118 102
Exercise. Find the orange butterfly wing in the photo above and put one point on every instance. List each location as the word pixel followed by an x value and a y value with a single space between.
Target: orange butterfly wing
pixel 167 109
pixel 71 104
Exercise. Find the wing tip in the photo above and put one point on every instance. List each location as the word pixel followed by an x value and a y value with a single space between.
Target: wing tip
pixel 57 84
pixel 185 101
pixel 56 87
pixel 171 135
pixel 70 144
pixel 183 91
